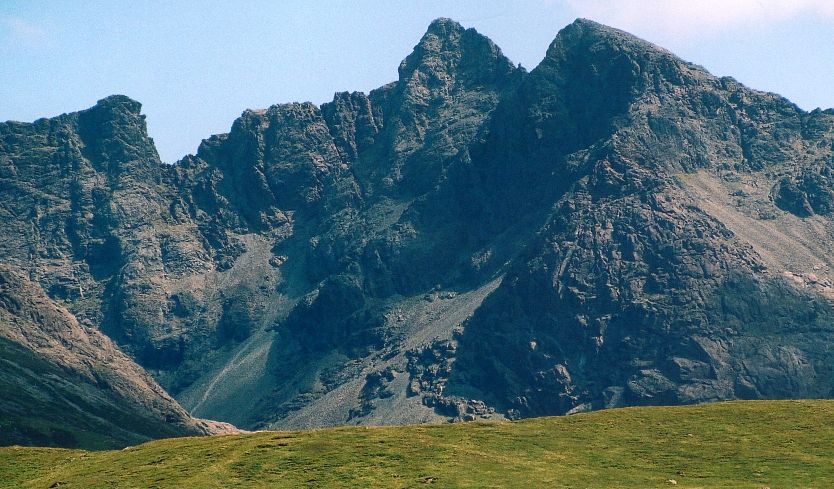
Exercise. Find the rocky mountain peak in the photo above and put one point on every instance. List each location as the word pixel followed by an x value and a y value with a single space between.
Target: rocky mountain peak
pixel 121 103
pixel 444 26
pixel 449 52
pixel 585 35
pixel 586 47
pixel 593 76
pixel 115 139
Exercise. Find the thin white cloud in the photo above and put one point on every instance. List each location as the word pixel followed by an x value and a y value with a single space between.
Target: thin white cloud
pixel 25 33
pixel 687 18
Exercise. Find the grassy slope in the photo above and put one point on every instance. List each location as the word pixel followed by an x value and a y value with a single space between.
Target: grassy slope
pixel 739 444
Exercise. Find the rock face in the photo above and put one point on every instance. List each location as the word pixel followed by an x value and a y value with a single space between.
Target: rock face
pixel 615 227
pixel 66 384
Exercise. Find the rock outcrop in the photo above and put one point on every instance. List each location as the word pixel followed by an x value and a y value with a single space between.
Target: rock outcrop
pixel 615 227
pixel 67 384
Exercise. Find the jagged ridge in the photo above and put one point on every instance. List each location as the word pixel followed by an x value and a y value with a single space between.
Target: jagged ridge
pixel 470 240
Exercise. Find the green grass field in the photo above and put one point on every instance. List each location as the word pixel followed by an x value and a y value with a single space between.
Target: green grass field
pixel 775 444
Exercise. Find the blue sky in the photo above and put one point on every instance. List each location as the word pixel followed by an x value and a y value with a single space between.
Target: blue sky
pixel 196 65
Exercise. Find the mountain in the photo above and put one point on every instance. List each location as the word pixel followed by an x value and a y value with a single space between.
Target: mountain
pixel 615 227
